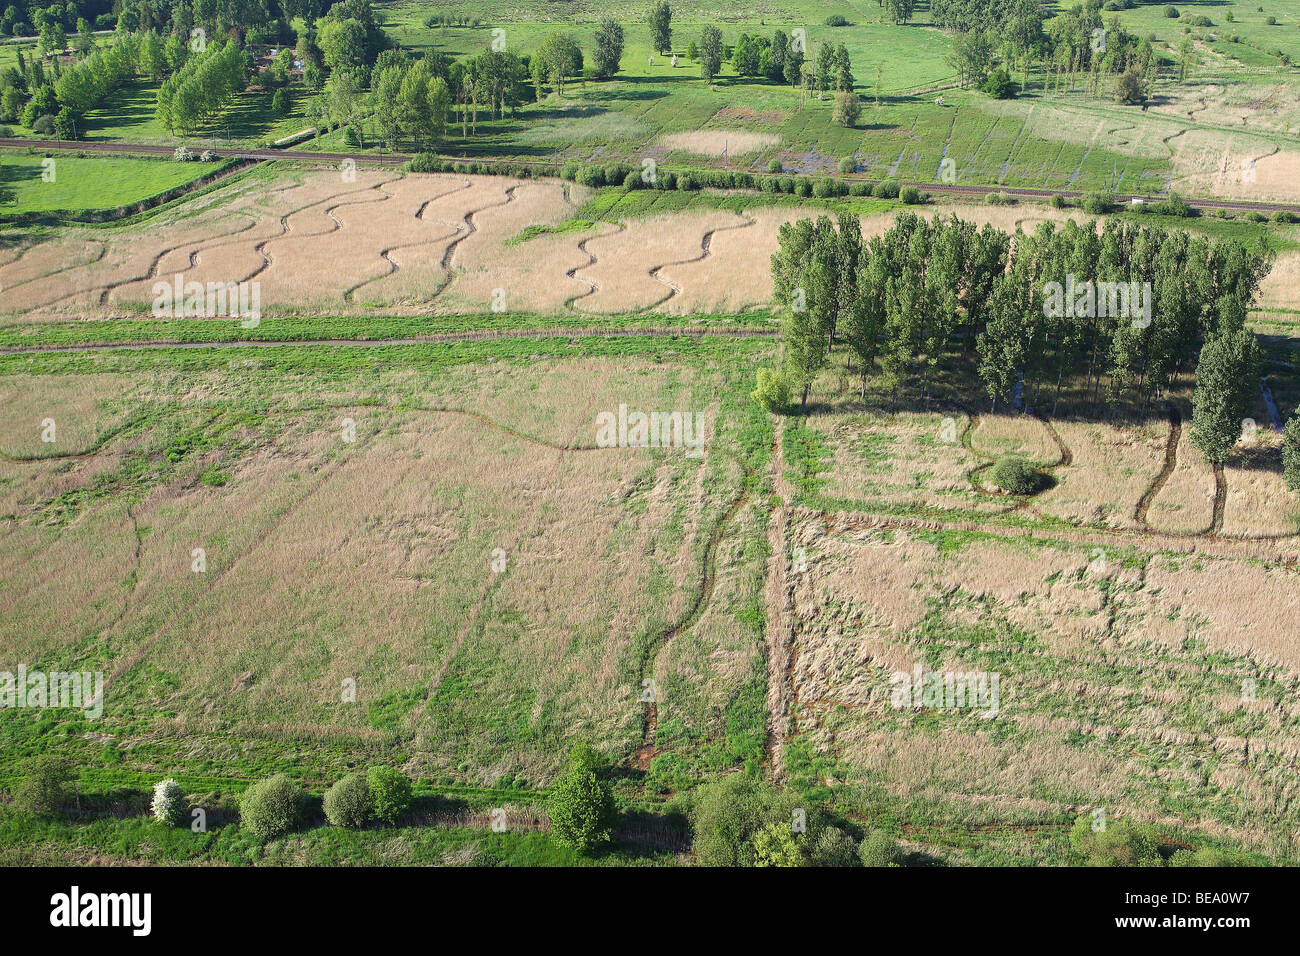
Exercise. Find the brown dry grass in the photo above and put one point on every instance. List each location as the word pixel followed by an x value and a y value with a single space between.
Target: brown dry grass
pixel 1185 504
pixel 712 142
pixel 1112 467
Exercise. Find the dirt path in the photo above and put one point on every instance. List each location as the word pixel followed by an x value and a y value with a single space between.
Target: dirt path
pixel 642 757
pixel 706 242
pixel 1167 469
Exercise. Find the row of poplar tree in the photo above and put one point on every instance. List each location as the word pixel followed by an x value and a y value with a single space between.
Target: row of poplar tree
pixel 928 296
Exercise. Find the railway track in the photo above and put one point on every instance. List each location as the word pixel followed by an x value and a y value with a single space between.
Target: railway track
pixel 553 167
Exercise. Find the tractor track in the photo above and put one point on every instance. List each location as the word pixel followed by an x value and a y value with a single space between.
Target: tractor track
pixel 450 253
pixel 706 242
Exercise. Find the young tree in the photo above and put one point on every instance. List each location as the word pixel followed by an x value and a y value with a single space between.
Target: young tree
pixel 847 108
pixel 390 790
pixel 661 30
pixel 710 52
pixel 43 786
pixel 581 804
pixel 609 47
pixel 1225 383
pixel 271 807
pixel 562 57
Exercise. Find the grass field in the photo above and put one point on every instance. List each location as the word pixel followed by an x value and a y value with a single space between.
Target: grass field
pixel 85 184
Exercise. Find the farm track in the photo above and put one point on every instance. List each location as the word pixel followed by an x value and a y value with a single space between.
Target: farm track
pixel 1167 469
pixel 384 253
pixel 473 335
pixel 450 253
pixel 643 755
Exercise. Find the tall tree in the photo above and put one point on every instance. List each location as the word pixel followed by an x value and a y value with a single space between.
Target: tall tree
pixel 609 47
pixel 1225 383
pixel 661 29
pixel 710 52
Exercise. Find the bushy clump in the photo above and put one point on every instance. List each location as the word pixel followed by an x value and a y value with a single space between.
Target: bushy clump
pixel 885 189
pixel 390 789
pixel 182 154
pixel 774 166
pixel 1058 201
pixel 424 163
pixel 1012 473
pixel 348 803
pixel 878 848
pixel 1096 204
pixel 802 187
pixel 911 195
pixel 741 821
pixel 168 804
pixel 849 164
pixel 834 847
pixel 271 807
pixel 1291 453
pixel 1000 199
pixel 43 786
pixel 632 181
pixel 1117 843
pixel 772 390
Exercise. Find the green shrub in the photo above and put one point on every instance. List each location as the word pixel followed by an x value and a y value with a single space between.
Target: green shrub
pixel 1000 199
pixel 667 180
pixel 775 844
pixel 1058 201
pixel 271 808
pixel 802 187
pixel 632 181
pixel 581 804
pixel 424 163
pixel 911 195
pixel 836 20
pixel 168 805
pixel 878 848
pixel 859 189
pixel 772 390
pixel 774 166
pixel 823 189
pixel 1171 11
pixel 1097 204
pixel 1283 216
pixel 729 815
pixel 43 785
pixel 885 189
pixel 834 847
pixel 390 791
pixel 999 85
pixel 849 164
pixel 685 183
pixel 1012 473
pixel 348 803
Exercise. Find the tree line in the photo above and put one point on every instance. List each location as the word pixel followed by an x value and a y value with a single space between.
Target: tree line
pixel 1119 311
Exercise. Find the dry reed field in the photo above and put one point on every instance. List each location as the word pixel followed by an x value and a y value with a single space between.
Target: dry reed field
pixel 234 547
pixel 1155 687
pixel 316 241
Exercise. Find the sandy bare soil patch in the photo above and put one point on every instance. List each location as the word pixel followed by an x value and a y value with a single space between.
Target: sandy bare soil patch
pixel 714 142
